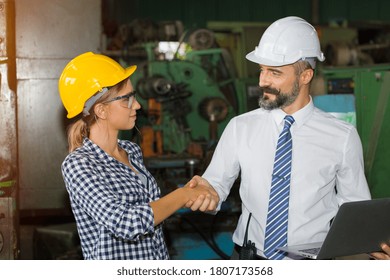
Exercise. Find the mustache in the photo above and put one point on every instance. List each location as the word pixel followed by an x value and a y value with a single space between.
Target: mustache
pixel 270 90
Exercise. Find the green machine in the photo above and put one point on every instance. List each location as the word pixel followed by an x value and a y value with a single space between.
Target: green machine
pixel 370 86
pixel 188 97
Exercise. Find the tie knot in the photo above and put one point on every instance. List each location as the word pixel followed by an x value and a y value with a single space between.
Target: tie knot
pixel 288 121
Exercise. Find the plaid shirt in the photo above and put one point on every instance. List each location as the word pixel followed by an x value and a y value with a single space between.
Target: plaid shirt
pixel 111 204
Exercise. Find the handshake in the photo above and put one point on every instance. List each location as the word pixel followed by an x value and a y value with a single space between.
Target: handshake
pixel 201 195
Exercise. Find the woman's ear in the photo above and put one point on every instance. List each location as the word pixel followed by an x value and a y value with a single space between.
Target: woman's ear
pixel 307 76
pixel 100 111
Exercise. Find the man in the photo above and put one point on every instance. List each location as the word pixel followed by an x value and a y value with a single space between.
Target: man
pixel 324 165
pixel 385 255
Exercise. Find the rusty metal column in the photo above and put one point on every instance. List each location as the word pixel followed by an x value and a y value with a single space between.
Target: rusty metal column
pixel 8 134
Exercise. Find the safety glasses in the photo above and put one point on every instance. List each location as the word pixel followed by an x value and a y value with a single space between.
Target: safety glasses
pixel 126 100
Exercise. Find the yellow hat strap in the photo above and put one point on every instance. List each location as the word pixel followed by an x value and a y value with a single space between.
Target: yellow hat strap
pixel 89 103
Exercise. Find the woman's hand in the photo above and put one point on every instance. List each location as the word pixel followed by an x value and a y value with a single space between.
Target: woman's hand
pixel 207 199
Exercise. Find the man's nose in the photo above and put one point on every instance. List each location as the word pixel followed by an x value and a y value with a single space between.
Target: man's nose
pixel 264 79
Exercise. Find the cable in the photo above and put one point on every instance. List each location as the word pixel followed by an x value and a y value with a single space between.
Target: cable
pixel 212 244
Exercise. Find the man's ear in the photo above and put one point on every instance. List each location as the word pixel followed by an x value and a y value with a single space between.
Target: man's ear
pixel 100 111
pixel 307 76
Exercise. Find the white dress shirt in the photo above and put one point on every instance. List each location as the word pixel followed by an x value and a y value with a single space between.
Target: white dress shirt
pixel 327 170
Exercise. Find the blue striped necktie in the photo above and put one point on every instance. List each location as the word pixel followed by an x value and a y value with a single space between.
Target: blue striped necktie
pixel 277 218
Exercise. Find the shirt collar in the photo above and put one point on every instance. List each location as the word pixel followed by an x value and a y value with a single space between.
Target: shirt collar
pixel 89 145
pixel 300 116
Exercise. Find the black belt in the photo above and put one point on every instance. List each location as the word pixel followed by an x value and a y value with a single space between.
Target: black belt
pixel 256 257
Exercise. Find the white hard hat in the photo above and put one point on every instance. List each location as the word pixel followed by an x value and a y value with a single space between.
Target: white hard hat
pixel 286 41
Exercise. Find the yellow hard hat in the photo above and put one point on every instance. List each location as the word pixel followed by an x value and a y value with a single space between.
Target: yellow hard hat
pixel 85 75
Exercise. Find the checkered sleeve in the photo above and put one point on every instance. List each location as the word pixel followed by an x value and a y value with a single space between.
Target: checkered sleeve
pixel 126 215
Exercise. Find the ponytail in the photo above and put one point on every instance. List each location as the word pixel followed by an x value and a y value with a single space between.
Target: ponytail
pixel 76 133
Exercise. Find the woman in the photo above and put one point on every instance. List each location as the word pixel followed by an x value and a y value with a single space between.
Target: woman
pixel 114 198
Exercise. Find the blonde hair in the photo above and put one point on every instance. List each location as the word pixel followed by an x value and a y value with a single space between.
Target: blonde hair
pixel 78 130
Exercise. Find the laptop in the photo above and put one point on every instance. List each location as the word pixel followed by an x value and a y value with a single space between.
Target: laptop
pixel 358 227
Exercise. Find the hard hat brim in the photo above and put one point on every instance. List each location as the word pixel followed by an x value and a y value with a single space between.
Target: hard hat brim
pixel 252 57
pixel 130 70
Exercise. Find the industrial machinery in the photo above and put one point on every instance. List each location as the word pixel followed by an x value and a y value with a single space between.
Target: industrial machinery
pixel 365 44
pixel 187 98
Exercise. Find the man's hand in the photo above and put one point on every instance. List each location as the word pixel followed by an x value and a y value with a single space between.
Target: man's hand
pixel 203 203
pixel 380 255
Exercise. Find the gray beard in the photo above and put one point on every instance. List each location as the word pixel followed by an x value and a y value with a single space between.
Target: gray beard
pixel 282 99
